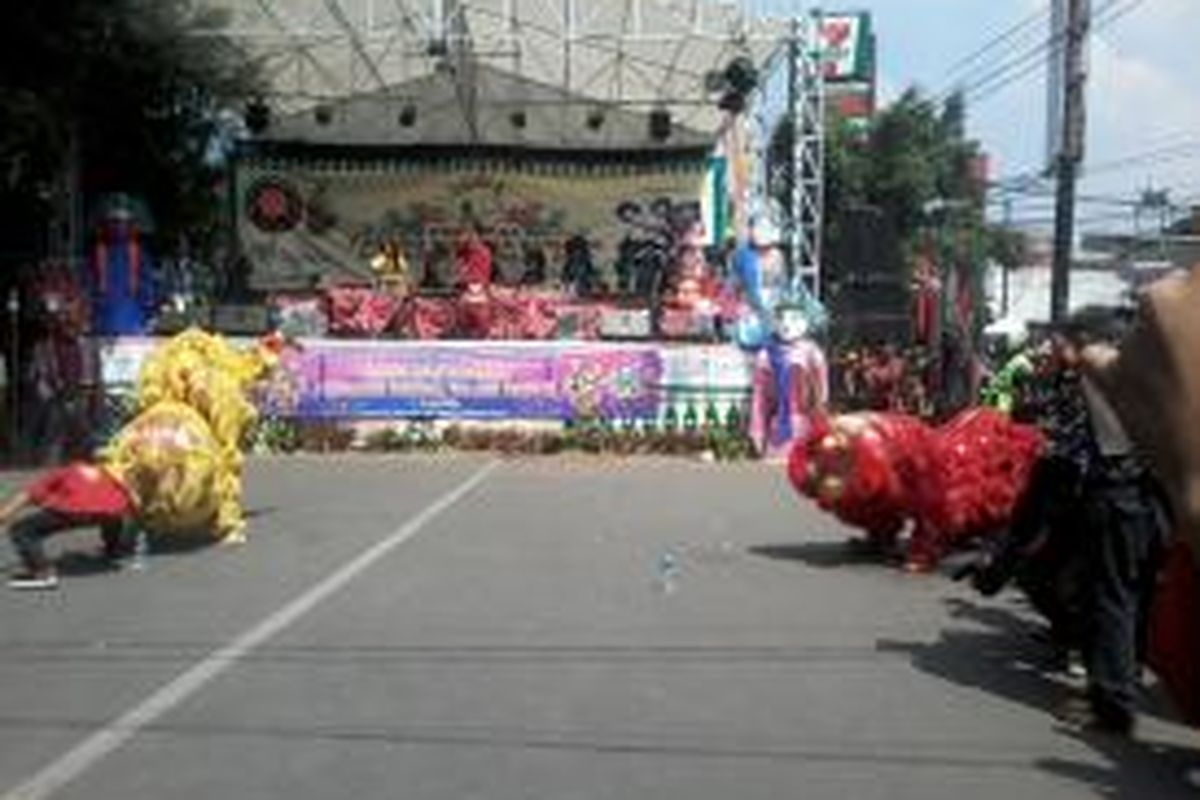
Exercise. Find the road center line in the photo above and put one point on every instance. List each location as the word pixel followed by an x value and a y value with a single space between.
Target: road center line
pixel 65 769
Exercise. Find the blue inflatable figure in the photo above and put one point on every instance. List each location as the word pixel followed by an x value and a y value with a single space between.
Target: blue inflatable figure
pixel 758 269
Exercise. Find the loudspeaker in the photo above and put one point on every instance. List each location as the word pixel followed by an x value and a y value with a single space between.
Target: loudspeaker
pixel 741 75
pixel 258 116
pixel 660 124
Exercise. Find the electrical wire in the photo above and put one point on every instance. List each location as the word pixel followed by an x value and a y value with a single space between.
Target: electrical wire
pixel 1031 60
pixel 1003 38
pixel 1181 152
pixel 1035 63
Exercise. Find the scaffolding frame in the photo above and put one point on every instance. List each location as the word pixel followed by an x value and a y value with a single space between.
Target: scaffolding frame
pixel 790 192
pixel 805 220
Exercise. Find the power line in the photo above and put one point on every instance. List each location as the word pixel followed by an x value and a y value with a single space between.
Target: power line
pixel 1004 67
pixel 1034 193
pixel 1036 182
pixel 1180 152
pixel 1035 64
pixel 1087 220
pixel 1003 38
pixel 1091 200
pixel 1020 67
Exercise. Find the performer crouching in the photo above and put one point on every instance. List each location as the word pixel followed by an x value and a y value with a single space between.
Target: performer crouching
pixel 75 496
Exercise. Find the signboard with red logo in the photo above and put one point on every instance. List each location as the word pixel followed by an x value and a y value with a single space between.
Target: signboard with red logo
pixel 849 47
pixel 852 102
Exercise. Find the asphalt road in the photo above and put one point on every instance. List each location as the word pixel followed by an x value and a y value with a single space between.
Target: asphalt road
pixel 458 628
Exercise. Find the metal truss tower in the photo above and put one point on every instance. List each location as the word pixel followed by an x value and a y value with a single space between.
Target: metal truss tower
pixel 805 213
pixel 786 127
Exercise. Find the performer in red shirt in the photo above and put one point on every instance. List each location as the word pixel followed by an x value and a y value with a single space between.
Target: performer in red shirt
pixel 474 259
pixel 79 495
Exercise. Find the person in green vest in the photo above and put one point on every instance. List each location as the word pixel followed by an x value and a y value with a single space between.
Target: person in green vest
pixel 1003 391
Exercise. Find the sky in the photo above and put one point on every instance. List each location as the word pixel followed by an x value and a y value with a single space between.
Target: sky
pixel 1143 92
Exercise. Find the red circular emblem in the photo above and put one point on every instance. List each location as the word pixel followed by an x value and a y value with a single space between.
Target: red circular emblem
pixel 274 206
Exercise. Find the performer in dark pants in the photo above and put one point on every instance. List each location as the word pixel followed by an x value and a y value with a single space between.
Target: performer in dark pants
pixel 1126 528
pixel 1043 553
pixel 1043 548
pixel 30 533
pixel 1108 544
pixel 75 496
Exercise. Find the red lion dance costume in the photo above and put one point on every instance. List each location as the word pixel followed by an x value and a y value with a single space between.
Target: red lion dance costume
pixel 880 471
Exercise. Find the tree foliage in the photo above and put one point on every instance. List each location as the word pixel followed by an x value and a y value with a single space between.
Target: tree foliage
pixel 914 166
pixel 1007 246
pixel 133 87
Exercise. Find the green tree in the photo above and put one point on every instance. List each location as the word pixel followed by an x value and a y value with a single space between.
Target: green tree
pixel 132 89
pixel 1007 246
pixel 914 158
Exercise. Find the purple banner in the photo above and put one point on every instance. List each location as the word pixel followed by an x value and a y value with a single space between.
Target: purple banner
pixel 476 380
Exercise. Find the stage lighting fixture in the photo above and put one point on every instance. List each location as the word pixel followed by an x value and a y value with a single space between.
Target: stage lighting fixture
pixel 660 124
pixel 741 75
pixel 407 116
pixel 258 116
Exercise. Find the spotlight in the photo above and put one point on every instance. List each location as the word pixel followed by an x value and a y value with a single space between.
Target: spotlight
pixel 517 118
pixel 741 75
pixel 258 116
pixel 323 114
pixel 595 119
pixel 408 116
pixel 660 124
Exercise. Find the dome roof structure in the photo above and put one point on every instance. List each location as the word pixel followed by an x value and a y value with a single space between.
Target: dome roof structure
pixel 591 74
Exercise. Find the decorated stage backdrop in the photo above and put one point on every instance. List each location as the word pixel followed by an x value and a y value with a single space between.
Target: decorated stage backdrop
pixel 299 220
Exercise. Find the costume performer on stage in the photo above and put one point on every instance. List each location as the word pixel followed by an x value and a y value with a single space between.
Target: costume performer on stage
pixel 175 468
pixel 122 279
pixel 474 262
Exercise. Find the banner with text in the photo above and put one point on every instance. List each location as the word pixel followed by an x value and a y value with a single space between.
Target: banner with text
pixel 360 380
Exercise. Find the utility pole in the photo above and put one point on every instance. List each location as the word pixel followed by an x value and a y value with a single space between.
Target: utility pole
pixel 1004 266
pixel 1070 155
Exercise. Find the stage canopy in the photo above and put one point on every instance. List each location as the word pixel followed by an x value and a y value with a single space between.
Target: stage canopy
pixel 402 121
pixel 599 56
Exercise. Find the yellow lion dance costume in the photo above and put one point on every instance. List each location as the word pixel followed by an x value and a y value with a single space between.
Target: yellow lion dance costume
pixel 181 456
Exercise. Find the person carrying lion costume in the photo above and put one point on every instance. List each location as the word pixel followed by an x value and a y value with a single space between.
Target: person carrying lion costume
pixel 175 468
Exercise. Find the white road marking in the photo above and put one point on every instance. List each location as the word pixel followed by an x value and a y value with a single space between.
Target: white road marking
pixel 102 743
